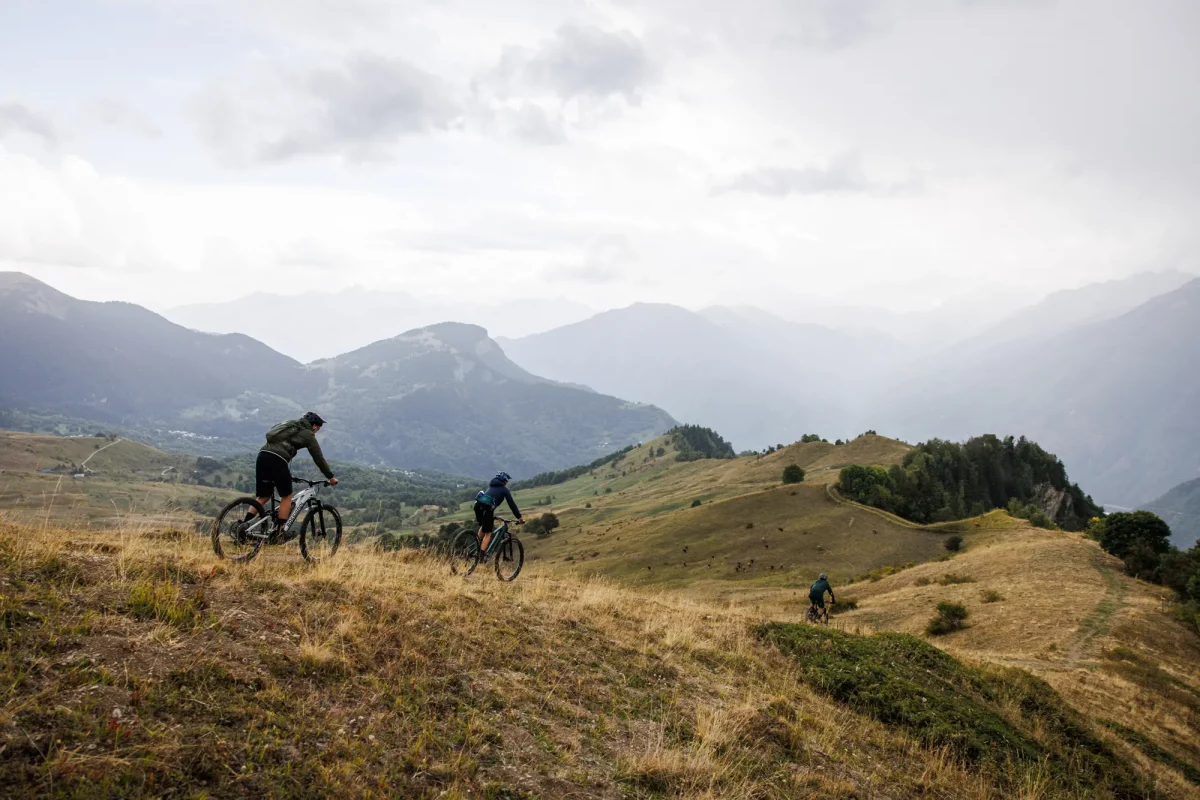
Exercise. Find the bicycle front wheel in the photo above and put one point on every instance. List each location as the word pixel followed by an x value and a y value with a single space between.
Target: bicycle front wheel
pixel 510 559
pixel 321 534
pixel 240 530
pixel 464 553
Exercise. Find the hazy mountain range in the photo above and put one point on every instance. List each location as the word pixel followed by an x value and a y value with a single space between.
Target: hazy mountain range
pixel 1116 399
pixel 754 377
pixel 442 397
pixel 316 325
pixel 1104 376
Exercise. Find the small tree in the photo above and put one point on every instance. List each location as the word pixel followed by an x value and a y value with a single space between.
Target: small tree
pixel 793 473
pixel 696 503
pixel 543 525
pixel 949 619
pixel 953 544
pixel 1122 533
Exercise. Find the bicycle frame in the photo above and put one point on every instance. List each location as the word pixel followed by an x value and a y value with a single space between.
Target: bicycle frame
pixel 302 499
pixel 499 536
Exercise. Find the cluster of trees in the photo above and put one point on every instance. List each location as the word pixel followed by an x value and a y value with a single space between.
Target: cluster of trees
pixel 564 475
pixel 694 442
pixel 941 481
pixel 1142 540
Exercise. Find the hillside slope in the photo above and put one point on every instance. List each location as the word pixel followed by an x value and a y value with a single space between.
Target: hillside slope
pixel 1180 507
pixel 631 519
pixel 140 666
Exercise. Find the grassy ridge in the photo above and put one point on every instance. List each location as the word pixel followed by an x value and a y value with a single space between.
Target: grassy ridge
pixel 1002 717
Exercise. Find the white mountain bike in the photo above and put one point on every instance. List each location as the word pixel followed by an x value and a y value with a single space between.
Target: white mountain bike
pixel 244 526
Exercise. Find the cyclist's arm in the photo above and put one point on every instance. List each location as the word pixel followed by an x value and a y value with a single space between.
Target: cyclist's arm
pixel 512 503
pixel 314 450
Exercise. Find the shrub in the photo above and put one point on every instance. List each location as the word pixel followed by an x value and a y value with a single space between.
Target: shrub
pixel 991 596
pixel 793 473
pixel 587 505
pixel 923 582
pixel 950 579
pixel 953 544
pixel 950 618
pixel 749 525
pixel 844 605
pixel 696 503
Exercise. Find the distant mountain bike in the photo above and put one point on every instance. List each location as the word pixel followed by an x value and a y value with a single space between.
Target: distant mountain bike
pixel 817 615
pixel 507 549
pixel 244 526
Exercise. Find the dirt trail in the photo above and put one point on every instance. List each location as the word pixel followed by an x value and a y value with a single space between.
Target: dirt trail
pixel 1100 620
pixel 99 450
pixel 1094 626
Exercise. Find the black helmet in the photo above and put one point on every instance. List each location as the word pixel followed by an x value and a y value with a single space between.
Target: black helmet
pixel 314 418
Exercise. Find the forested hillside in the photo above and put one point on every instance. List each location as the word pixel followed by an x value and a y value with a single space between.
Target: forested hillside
pixel 941 481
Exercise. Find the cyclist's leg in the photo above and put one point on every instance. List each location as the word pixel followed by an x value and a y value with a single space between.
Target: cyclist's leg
pixel 486 517
pixel 264 482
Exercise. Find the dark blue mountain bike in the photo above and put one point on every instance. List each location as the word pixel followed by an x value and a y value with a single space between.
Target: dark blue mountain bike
pixel 466 555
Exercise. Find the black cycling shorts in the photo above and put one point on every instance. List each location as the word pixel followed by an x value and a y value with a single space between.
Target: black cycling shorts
pixel 271 472
pixel 485 515
pixel 818 601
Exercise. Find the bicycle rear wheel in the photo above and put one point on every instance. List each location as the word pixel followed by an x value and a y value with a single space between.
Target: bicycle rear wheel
pixel 320 534
pixel 240 530
pixel 509 559
pixel 464 553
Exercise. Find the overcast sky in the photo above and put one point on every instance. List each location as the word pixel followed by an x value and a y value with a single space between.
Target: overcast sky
pixel 688 151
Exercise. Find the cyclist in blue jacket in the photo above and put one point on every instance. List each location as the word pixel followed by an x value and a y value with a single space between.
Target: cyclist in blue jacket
pixel 486 503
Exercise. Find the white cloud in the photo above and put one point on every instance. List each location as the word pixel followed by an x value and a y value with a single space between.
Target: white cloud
pixel 423 145
pixel 19 118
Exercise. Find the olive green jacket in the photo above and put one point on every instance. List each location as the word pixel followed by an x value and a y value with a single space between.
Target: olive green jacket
pixel 288 438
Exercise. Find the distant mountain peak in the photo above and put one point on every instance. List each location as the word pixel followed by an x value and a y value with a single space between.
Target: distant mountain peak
pixel 36 297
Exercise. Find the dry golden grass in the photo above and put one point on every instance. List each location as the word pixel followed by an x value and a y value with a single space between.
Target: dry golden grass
pixel 383 675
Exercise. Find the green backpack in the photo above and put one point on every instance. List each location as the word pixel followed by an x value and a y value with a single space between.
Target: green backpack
pixel 282 432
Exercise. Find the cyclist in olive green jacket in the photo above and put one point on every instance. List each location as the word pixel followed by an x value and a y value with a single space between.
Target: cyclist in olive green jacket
pixel 271 470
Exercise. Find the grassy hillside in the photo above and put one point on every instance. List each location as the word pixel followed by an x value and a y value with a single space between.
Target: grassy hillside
pixel 126 482
pixel 137 665
pixel 632 519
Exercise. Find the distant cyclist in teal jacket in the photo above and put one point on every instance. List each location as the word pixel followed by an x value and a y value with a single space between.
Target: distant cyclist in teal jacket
pixel 486 503
pixel 816 594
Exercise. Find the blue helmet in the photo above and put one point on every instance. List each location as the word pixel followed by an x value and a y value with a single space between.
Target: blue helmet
pixel 503 476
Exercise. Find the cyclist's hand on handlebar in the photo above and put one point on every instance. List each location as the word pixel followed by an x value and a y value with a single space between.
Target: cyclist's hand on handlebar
pixel 520 521
pixel 332 481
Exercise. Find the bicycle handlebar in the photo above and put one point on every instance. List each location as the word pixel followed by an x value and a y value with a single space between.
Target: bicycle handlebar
pixel 296 479
pixel 510 521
